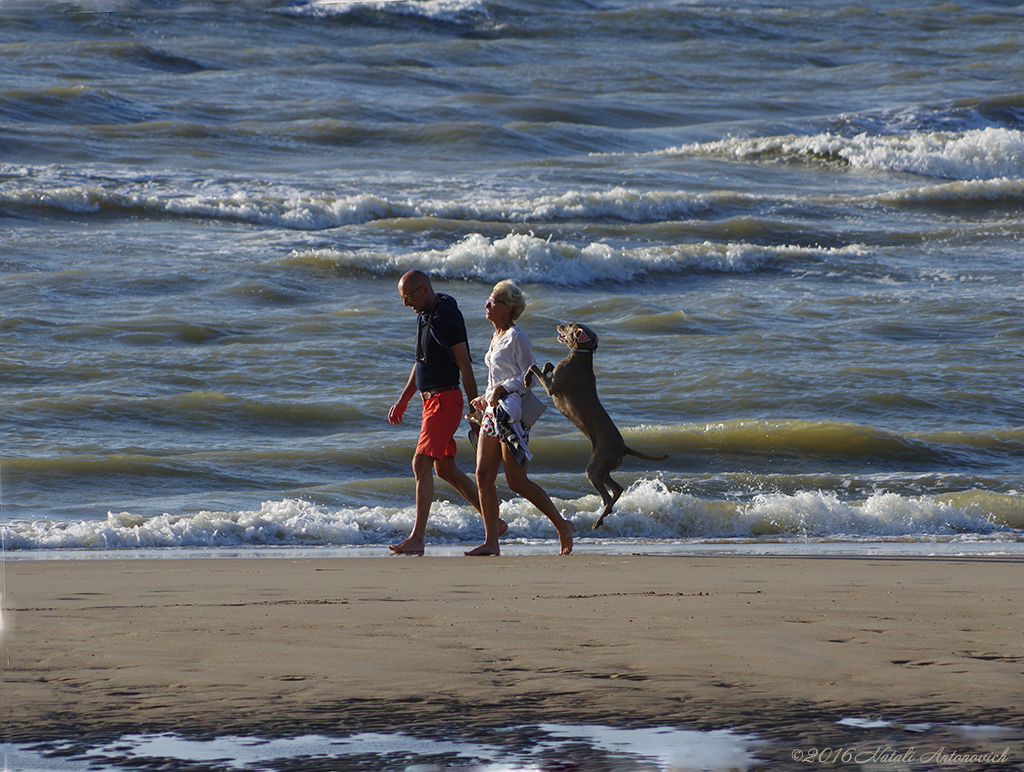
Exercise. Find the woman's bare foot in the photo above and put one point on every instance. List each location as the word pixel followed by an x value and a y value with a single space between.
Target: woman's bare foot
pixel 484 549
pixel 410 546
pixel 565 536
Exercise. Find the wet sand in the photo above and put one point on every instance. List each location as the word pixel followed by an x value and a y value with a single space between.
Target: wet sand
pixel 781 646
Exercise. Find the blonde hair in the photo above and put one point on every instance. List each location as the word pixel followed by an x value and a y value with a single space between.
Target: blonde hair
pixel 508 293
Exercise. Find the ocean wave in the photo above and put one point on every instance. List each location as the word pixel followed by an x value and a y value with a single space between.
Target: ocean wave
pixel 273 445
pixel 45 190
pixel 762 445
pixel 528 258
pixel 832 442
pixel 87 6
pixel 194 411
pixel 975 154
pixel 77 105
pixel 649 509
pixel 999 191
pixel 625 204
pixel 287 210
pixel 443 11
pixel 258 202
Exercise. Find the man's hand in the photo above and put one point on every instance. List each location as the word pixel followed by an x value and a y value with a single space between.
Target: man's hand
pixel 397 411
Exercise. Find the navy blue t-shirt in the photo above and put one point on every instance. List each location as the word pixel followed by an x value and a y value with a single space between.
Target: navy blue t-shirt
pixel 437 331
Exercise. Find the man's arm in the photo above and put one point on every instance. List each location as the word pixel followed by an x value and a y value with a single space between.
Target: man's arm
pixel 398 409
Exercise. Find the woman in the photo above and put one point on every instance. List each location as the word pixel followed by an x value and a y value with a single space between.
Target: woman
pixel 502 436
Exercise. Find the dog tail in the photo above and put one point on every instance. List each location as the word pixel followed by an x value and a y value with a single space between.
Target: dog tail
pixel 644 456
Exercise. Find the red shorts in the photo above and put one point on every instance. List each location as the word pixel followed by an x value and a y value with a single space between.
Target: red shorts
pixel 442 414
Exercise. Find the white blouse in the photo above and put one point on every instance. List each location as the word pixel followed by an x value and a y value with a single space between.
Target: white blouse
pixel 508 359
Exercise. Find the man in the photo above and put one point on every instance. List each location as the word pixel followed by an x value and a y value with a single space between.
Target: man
pixel 442 355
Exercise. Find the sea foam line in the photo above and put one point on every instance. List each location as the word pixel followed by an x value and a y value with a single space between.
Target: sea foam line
pixel 1006 190
pixel 664 747
pixel 528 258
pixel 449 11
pixel 968 155
pixel 648 510
pixel 284 206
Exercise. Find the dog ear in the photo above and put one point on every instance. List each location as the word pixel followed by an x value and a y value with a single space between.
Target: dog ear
pixel 588 336
pixel 581 336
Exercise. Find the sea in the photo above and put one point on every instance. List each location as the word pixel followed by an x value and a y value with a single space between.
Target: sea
pixel 795 228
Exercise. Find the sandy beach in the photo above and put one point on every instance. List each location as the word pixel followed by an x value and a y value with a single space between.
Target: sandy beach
pixel 783 647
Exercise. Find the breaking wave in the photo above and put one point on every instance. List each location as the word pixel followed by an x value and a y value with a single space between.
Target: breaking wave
pixel 443 11
pixel 528 258
pixel 648 510
pixel 280 206
pixel 977 154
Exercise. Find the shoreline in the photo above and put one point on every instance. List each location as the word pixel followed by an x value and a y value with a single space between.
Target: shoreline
pixel 783 647
pixel 897 547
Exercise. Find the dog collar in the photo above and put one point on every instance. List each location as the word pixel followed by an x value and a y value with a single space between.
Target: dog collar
pixel 581 351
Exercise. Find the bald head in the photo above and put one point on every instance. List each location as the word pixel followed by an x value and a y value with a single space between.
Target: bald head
pixel 416 290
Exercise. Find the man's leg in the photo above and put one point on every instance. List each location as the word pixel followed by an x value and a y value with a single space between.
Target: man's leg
pixel 423 471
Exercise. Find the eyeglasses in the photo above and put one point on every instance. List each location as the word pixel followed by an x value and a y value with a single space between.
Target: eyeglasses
pixel 407 297
pixel 492 302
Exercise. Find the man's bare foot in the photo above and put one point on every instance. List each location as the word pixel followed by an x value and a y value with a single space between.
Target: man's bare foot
pixel 502 527
pixel 410 546
pixel 565 536
pixel 483 549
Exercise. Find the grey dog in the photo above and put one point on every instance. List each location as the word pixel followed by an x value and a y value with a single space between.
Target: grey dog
pixel 573 388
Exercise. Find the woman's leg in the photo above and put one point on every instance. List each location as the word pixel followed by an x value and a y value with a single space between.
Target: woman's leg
pixel 515 474
pixel 488 462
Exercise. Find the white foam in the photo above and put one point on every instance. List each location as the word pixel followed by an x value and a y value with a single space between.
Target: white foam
pixel 648 510
pixel 990 190
pixel 284 206
pixel 452 11
pixel 628 204
pixel 528 258
pixel 662 747
pixel 968 155
pixel 668 749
